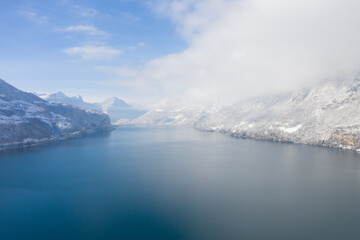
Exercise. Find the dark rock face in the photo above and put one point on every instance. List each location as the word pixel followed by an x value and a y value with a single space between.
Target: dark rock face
pixel 26 119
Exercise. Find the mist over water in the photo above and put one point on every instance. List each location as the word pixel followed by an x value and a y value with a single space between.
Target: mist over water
pixel 164 183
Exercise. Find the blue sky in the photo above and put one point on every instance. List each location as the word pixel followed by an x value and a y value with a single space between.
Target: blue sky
pixel 43 44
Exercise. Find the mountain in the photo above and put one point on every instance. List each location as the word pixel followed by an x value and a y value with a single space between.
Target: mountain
pixel 77 101
pixel 26 119
pixel 116 108
pixel 328 115
pixel 60 97
pixel 113 102
pixel 171 115
pixel 119 110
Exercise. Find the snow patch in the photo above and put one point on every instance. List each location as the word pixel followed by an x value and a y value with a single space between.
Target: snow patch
pixel 290 129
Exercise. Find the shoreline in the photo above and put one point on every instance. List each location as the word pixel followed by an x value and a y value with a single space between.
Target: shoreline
pixel 28 143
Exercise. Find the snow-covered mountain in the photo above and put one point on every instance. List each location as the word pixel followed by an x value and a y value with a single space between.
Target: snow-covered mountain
pixel 116 108
pixel 171 115
pixel 26 119
pixel 60 97
pixel 327 115
pixel 119 110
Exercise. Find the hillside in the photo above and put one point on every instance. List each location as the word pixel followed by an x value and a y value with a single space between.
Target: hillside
pixel 26 119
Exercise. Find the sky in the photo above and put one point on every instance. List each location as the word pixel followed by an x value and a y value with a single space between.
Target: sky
pixel 71 46
pixel 189 51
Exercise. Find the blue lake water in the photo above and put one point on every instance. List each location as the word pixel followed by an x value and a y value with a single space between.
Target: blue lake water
pixel 165 183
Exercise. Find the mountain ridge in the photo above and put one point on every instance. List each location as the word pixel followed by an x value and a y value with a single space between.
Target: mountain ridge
pixel 26 119
pixel 116 108
pixel 327 115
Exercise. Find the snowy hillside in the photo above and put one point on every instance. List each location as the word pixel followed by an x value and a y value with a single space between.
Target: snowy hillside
pixel 328 115
pixel 170 116
pixel 26 119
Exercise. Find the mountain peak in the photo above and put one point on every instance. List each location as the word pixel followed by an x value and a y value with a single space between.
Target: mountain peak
pixel 79 97
pixel 57 95
pixel 115 102
pixel 61 97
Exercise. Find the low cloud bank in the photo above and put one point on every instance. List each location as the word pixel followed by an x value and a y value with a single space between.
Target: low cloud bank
pixel 240 49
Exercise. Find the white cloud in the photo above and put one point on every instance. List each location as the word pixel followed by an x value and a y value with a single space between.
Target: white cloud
pixel 34 17
pixel 191 16
pixel 240 49
pixel 80 11
pixel 86 29
pixel 93 52
pixel 83 11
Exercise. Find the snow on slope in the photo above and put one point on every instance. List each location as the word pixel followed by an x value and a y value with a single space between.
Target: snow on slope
pixel 328 115
pixel 26 119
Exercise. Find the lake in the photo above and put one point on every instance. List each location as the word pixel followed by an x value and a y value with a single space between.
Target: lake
pixel 178 183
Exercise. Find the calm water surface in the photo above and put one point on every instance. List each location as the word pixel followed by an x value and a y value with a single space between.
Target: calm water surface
pixel 160 183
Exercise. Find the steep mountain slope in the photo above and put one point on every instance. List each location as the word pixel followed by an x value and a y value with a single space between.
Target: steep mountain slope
pixel 26 119
pixel 116 108
pixel 328 115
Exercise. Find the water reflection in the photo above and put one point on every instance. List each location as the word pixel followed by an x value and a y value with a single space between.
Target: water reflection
pixel 163 183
